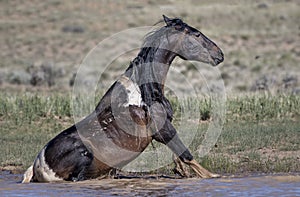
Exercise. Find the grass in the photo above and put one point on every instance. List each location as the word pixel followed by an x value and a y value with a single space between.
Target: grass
pixel 260 134
pixel 27 123
pixel 256 147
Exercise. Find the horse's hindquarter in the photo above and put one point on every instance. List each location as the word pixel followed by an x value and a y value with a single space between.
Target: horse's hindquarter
pixel 63 158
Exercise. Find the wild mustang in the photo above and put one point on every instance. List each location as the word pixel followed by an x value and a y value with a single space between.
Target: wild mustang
pixel 132 113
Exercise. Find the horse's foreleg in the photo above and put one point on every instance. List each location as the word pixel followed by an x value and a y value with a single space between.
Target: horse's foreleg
pixel 202 172
pixel 180 167
pixel 168 136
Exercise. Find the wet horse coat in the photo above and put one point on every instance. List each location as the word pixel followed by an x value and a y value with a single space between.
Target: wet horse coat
pixel 132 113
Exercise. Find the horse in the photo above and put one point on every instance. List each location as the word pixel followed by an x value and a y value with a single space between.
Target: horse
pixel 133 112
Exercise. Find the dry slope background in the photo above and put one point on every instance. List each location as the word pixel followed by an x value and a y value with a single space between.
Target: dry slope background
pixel 44 42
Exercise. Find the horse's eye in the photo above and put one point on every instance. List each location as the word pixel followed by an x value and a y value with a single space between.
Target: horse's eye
pixel 178 27
pixel 197 34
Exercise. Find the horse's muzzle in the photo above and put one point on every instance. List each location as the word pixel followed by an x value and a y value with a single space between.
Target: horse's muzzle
pixel 217 60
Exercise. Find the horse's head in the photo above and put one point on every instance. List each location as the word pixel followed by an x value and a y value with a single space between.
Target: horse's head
pixel 191 44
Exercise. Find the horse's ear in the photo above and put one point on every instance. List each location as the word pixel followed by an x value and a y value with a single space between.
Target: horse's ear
pixel 167 20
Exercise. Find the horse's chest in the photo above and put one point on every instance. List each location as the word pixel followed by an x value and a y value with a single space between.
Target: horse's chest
pixel 132 93
pixel 134 96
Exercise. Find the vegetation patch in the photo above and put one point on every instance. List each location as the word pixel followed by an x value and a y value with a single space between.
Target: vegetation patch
pixel 260 133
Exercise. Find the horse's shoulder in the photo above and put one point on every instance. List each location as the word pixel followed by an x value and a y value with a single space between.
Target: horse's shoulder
pixel 139 114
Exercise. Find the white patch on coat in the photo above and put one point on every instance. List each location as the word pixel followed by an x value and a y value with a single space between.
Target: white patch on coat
pixel 28 175
pixel 42 171
pixel 133 91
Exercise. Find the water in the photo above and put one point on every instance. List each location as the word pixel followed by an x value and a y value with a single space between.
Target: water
pixel 288 185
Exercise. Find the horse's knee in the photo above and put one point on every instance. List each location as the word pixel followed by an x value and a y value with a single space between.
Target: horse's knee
pixel 186 156
pixel 165 134
pixel 168 136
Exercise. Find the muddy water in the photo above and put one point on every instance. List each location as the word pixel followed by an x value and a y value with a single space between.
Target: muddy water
pixel 247 186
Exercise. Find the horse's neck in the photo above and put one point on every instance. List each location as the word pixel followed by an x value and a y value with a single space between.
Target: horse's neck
pixel 151 65
pixel 149 70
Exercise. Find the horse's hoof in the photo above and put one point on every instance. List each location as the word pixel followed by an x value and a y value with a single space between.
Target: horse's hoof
pixel 215 176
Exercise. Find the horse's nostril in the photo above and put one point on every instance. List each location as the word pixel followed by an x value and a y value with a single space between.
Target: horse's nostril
pixel 218 60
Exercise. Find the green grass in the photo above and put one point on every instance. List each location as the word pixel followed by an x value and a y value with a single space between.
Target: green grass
pixel 27 123
pixel 260 134
pixel 255 147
